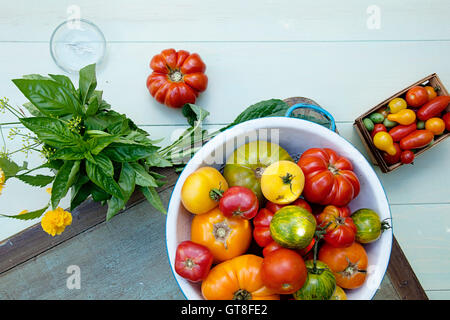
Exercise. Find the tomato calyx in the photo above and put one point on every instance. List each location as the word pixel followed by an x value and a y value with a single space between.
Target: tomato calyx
pixel 175 75
pixel 333 169
pixel 351 269
pixel 385 225
pixel 189 264
pixel 242 294
pixel 221 231
pixel 215 193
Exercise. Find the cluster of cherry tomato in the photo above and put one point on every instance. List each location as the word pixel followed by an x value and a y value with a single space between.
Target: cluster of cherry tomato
pixel 409 123
pixel 272 228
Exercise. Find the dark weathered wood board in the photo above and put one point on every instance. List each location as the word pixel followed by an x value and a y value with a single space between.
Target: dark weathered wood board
pixel 124 258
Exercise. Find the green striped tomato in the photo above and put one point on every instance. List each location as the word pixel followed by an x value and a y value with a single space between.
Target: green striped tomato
pixel 368 225
pixel 293 227
pixel 320 283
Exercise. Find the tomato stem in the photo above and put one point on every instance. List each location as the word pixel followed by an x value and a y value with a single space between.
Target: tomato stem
pixel 175 75
pixel 242 294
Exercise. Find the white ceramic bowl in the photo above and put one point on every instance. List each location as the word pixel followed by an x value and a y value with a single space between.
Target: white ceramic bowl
pixel 296 136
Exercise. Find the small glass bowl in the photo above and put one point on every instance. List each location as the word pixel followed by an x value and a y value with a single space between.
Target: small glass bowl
pixel 77 43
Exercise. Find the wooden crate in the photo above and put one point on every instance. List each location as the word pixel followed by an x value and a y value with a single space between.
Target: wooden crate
pixel 376 155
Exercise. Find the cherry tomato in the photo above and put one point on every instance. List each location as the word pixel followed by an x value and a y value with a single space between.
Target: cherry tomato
pixel 193 261
pixel 446 119
pixel 283 271
pixel 395 158
pixel 261 230
pixel 417 96
pixel 431 92
pixel 379 127
pixel 275 246
pixel 435 125
pixel 407 157
pixel 239 201
pixel 417 139
pixel 340 229
pixel 397 104
pixel 349 264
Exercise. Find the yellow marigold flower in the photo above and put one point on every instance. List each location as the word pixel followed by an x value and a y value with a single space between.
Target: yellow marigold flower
pixel 2 180
pixel 49 191
pixel 55 221
pixel 23 212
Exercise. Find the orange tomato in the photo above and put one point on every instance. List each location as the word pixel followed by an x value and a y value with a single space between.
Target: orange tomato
pixel 349 265
pixel 237 279
pixel 435 125
pixel 225 237
pixel 404 117
pixel 431 92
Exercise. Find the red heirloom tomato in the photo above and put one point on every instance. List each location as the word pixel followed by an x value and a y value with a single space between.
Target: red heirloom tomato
pixel 261 230
pixel 329 178
pixel 193 261
pixel 379 127
pixel 446 118
pixel 401 131
pixel 433 108
pixel 417 96
pixel 177 77
pixel 239 201
pixel 395 158
pixel 341 230
pixel 299 203
pixel 275 246
pixel 407 157
pixel 349 265
pixel 283 271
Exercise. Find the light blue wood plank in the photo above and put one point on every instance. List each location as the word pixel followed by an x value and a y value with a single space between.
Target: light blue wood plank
pixel 438 294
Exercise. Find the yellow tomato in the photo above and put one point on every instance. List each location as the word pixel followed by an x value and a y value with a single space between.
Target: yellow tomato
pixel 339 294
pixel 282 182
pixel 435 125
pixel 384 142
pixel 404 117
pixel 200 191
pixel 225 237
pixel 397 104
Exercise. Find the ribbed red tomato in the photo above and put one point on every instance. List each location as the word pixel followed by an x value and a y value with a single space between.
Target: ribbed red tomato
pixel 329 178
pixel 340 229
pixel 177 77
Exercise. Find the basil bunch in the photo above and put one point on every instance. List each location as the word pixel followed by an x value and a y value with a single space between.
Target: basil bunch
pixel 94 150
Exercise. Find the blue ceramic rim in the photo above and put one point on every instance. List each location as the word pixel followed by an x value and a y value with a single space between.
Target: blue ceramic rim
pixel 315 108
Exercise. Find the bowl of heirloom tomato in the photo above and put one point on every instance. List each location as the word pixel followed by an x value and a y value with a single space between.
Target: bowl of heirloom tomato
pixel 278 208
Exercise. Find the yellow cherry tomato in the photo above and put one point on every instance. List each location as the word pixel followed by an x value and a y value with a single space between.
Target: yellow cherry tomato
pixel 384 142
pixel 397 104
pixel 339 294
pixel 201 190
pixel 431 92
pixel 435 125
pixel 404 117
pixel 282 182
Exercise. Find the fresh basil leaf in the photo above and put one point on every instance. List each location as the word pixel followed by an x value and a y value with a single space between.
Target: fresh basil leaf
pixel 63 181
pixel 87 82
pixel 160 179
pixel 65 81
pixel 143 178
pixel 127 182
pixel 120 127
pixel 10 168
pixel 103 180
pixel 69 153
pixel 50 97
pixel 97 144
pixel 29 215
pixel 38 180
pixel 103 120
pixel 128 152
pixel 104 163
pixel 262 109
pixel 33 110
pixel 153 198
pixel 80 191
pixel 52 131
pixel 156 160
pixel 194 113
pixel 98 194
pixel 92 106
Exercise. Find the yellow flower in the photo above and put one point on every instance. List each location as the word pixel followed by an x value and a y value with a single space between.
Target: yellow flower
pixel 49 191
pixel 23 212
pixel 2 180
pixel 55 221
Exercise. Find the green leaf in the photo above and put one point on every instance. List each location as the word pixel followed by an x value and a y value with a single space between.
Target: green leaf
pixel 104 163
pixel 103 120
pixel 103 180
pixel 27 216
pixel 97 144
pixel 127 182
pixel 98 194
pixel 69 153
pixel 38 180
pixel 52 131
pixel 128 152
pixel 262 109
pixel 10 168
pixel 50 97
pixel 153 198
pixel 65 81
pixel 92 106
pixel 33 110
pixel 194 113
pixel 143 178
pixel 87 82
pixel 63 180
pixel 80 191
pixel 156 160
